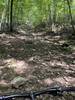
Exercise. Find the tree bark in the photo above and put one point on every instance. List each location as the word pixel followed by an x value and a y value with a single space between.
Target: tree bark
pixel 11 16
pixel 4 17
pixel 68 2
pixel 53 12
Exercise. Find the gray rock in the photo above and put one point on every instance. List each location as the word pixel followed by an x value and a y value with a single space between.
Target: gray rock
pixel 17 82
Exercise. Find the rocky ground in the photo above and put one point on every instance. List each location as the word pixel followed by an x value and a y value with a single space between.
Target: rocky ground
pixel 36 61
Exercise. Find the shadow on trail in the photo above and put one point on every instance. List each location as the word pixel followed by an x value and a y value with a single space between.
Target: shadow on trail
pixel 40 59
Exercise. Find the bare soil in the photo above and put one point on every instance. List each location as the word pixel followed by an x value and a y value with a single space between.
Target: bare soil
pixel 43 60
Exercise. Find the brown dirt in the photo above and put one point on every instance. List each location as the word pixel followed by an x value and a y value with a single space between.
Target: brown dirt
pixel 43 60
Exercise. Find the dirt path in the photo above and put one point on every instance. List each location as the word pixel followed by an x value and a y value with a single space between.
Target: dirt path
pixel 41 60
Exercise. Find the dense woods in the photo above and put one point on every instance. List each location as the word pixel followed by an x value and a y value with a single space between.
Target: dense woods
pixel 35 12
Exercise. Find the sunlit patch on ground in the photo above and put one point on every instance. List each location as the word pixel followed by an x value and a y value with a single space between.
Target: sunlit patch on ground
pixel 63 81
pixel 40 60
pixel 59 63
pixel 3 82
pixel 19 66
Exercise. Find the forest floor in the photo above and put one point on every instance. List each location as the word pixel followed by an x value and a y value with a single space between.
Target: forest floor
pixel 37 59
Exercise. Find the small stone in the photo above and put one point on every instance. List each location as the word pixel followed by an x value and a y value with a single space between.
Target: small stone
pixel 17 82
pixel 69 71
pixel 74 62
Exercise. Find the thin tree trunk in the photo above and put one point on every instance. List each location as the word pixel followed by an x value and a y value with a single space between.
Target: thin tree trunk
pixel 54 11
pixel 11 16
pixel 49 23
pixel 64 13
pixel 53 15
pixel 68 2
pixel 3 17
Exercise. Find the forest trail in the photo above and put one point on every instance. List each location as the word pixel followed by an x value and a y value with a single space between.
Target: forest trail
pixel 42 60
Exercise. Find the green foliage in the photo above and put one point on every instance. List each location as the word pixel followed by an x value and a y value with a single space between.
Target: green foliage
pixel 1 6
pixel 37 11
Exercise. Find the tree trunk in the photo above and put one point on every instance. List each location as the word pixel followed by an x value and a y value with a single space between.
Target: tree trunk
pixel 11 16
pixel 53 15
pixel 4 17
pixel 54 11
pixel 68 2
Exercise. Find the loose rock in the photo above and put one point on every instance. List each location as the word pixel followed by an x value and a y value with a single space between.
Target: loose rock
pixel 18 81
